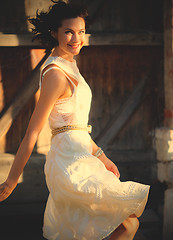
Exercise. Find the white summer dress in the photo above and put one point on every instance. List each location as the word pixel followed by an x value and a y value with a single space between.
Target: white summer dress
pixel 86 201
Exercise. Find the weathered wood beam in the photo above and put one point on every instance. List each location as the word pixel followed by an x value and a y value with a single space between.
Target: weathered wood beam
pixel 21 98
pixel 94 39
pixel 122 115
pixel 126 39
pixel 15 40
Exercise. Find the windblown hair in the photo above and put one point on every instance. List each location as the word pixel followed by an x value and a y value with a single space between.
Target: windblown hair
pixel 46 22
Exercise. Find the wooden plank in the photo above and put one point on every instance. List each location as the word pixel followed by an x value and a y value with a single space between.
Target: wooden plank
pixel 126 39
pixel 21 99
pixel 15 40
pixel 93 39
pixel 122 115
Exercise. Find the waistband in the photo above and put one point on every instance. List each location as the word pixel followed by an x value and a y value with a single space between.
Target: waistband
pixel 71 127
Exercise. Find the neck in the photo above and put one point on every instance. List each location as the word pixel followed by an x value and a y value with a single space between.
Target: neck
pixel 59 53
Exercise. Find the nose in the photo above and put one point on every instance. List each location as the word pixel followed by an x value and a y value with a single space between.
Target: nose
pixel 75 37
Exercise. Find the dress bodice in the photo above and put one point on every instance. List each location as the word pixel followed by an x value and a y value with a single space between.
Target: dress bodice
pixel 73 110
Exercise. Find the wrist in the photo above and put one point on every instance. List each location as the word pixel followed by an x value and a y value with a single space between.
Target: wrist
pixel 98 153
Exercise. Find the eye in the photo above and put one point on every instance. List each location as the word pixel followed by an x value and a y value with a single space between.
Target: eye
pixel 68 32
pixel 82 32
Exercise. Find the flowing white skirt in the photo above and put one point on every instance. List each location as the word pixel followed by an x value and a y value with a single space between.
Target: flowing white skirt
pixel 86 201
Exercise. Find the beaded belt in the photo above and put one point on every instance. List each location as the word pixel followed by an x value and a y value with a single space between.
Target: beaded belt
pixel 71 127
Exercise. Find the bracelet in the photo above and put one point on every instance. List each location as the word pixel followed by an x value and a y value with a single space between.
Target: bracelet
pixel 98 152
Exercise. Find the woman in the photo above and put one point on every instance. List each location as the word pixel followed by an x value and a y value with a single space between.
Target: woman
pixel 87 201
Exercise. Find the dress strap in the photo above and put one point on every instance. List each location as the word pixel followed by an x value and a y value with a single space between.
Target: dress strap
pixel 53 66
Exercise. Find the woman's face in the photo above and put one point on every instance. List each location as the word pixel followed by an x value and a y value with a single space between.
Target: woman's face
pixel 71 36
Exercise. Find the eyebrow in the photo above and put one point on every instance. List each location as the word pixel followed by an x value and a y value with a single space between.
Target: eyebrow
pixel 72 29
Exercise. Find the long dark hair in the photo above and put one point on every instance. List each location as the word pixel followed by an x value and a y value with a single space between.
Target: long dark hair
pixel 45 22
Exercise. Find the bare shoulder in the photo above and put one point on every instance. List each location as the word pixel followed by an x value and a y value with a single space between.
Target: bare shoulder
pixel 54 84
pixel 54 77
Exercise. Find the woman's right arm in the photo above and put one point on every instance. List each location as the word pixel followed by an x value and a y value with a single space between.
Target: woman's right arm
pixel 53 86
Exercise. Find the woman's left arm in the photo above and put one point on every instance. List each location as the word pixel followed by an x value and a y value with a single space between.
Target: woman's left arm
pixel 107 162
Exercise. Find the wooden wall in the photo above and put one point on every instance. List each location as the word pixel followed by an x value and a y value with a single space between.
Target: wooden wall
pixel 125 16
pixel 16 65
pixel 113 72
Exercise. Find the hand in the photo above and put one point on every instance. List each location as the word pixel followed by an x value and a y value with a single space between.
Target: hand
pixel 5 190
pixel 110 166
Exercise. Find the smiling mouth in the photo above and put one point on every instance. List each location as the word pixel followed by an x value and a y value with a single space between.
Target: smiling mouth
pixel 74 46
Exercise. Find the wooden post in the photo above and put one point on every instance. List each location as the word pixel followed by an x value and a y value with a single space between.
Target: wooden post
pixel 168 62
pixel 163 136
